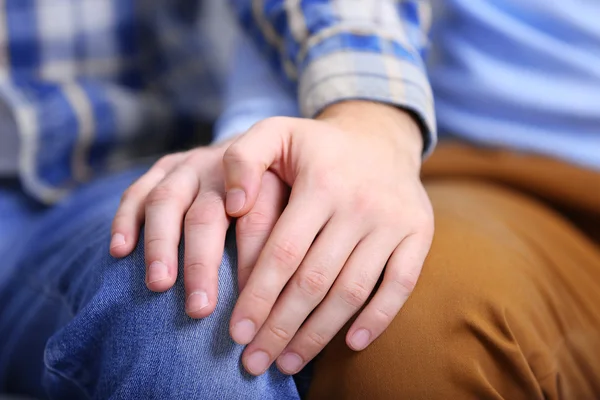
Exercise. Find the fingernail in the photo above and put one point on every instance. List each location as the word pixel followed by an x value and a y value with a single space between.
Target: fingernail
pixel 290 363
pixel 360 339
pixel 157 271
pixel 197 301
pixel 257 362
pixel 235 200
pixel 243 331
pixel 117 240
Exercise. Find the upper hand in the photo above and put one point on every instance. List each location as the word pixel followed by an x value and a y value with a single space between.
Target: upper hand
pixel 357 205
pixel 185 191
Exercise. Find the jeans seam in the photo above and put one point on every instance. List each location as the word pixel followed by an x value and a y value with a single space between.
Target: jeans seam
pixel 69 379
pixel 52 291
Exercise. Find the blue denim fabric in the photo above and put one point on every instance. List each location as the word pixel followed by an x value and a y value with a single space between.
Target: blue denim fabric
pixel 76 323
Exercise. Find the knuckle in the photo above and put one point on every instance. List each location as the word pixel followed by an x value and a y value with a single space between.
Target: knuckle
pixel 155 242
pixel 187 169
pixel 254 223
pixel 195 267
pixel 404 282
pixel 363 203
pixel 244 270
pixel 160 195
pixel 366 279
pixel 285 253
pixel 198 156
pixel 207 211
pixel 313 283
pixel 383 316
pixel 354 294
pixel 317 339
pixel 132 193
pixel 234 154
pixel 259 297
pixel 165 161
pixel 280 333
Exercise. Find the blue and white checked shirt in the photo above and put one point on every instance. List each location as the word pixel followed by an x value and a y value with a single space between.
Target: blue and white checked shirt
pixel 89 83
pixel 519 75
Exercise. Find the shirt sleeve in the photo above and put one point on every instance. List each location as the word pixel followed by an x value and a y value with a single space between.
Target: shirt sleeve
pixel 338 50
pixel 253 92
pixel 10 144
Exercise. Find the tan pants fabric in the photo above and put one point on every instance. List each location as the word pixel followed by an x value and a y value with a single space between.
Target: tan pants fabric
pixel 508 303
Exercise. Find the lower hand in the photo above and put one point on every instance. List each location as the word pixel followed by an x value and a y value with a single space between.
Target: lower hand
pixel 186 190
pixel 357 205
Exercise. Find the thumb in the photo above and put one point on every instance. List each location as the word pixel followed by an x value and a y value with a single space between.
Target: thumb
pixel 247 159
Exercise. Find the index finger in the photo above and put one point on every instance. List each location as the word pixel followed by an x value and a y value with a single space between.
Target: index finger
pixel 253 229
pixel 284 251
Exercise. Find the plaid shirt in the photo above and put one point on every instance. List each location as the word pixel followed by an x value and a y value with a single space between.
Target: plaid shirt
pixel 90 83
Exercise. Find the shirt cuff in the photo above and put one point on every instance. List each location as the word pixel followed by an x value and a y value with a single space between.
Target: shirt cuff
pixel 355 75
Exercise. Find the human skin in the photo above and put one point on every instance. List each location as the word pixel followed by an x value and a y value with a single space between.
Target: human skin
pixel 356 206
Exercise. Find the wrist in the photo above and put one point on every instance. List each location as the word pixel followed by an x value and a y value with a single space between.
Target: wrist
pixel 395 124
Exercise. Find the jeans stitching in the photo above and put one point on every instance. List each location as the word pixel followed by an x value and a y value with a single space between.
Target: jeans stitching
pixel 59 374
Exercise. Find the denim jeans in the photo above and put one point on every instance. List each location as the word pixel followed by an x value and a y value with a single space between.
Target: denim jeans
pixel 76 323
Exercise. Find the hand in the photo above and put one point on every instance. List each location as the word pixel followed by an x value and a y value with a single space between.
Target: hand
pixel 357 204
pixel 186 189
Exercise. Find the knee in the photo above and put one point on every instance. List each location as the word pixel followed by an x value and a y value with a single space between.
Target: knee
pixel 455 323
pixel 124 339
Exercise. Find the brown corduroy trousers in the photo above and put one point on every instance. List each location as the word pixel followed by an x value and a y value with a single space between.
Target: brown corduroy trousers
pixel 508 303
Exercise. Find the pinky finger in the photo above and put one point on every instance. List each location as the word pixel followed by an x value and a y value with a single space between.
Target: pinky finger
pixel 400 277
pixel 130 214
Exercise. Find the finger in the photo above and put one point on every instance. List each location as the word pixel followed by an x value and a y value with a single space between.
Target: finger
pixel 130 214
pixel 254 228
pixel 265 145
pixel 400 278
pixel 286 247
pixel 348 294
pixel 205 228
pixel 165 207
pixel 303 293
